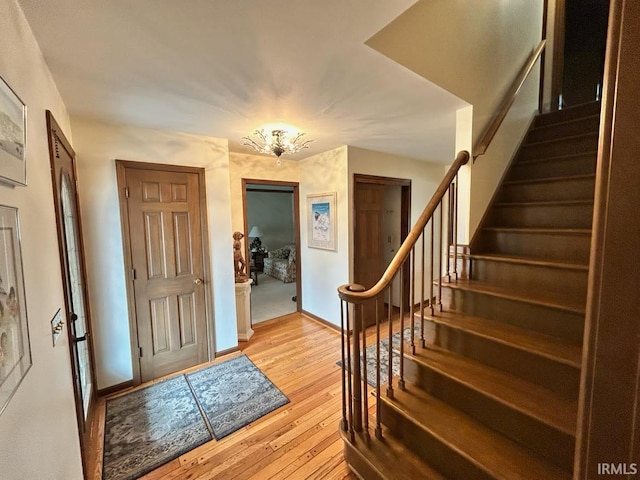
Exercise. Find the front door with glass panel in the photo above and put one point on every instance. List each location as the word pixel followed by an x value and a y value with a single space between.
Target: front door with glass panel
pixel 73 273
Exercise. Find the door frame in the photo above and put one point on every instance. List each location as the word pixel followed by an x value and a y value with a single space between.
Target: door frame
pixel 557 73
pixel 405 217
pixel 121 169
pixel 296 225
pixel 60 140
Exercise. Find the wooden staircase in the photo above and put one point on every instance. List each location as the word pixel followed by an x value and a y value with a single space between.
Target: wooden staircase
pixel 493 391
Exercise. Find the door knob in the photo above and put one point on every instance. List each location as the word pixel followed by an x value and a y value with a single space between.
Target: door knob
pixel 198 281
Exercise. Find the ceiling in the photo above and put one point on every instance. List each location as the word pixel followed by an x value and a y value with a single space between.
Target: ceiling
pixel 223 68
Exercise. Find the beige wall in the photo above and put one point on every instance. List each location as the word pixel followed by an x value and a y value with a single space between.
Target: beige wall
pixel 474 51
pixel 38 432
pixel 487 171
pixel 323 271
pixel 98 145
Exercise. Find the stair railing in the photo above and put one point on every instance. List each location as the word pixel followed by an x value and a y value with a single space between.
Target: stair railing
pixel 440 234
pixel 494 125
pixel 430 248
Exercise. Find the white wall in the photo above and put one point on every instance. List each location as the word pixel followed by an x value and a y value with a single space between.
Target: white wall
pixel 323 271
pixel 474 52
pixel 38 430
pixel 98 145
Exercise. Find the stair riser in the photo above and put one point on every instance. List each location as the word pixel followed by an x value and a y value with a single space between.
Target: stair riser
pixel 567 114
pixel 525 278
pixel 355 460
pixel 557 377
pixel 550 321
pixel 568 129
pixel 550 246
pixel 556 446
pixel 558 167
pixel 541 216
pixel 429 448
pixel 571 189
pixel 583 144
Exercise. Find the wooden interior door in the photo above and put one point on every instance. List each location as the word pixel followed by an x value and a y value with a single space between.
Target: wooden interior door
pixel 368 242
pixel 63 171
pixel 165 229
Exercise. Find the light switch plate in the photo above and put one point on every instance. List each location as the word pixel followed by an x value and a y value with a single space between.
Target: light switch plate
pixel 56 326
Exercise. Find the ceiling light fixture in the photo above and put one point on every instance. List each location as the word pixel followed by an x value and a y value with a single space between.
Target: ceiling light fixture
pixel 279 143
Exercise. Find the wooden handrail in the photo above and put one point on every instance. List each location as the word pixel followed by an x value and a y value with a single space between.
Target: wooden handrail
pixel 481 147
pixel 355 293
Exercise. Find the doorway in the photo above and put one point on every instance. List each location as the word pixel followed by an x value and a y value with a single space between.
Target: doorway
pixel 163 215
pixel 72 261
pixel 579 50
pixel 272 225
pixel 381 223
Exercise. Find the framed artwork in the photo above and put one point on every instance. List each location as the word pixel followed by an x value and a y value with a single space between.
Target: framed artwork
pixel 13 137
pixel 321 214
pixel 15 352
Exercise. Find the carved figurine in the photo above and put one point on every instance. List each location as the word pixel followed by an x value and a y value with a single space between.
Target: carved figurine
pixel 239 265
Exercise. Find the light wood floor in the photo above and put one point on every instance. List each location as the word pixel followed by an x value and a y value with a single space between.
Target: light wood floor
pixel 299 440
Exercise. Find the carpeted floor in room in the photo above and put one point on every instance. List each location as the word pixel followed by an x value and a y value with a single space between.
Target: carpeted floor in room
pixel 271 298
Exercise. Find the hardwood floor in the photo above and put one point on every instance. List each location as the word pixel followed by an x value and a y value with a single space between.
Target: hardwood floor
pixel 298 441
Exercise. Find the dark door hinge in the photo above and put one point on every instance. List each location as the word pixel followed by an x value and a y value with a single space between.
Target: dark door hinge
pixel 133 274
pixel 140 351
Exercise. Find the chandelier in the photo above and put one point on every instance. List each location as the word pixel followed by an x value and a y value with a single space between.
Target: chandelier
pixel 279 143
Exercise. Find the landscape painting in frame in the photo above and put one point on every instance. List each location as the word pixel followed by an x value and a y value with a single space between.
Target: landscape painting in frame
pixel 321 211
pixel 15 353
pixel 13 136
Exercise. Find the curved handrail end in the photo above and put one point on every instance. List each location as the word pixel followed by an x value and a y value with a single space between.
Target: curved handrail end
pixel 345 291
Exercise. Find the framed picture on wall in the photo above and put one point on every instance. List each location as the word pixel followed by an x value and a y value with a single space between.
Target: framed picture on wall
pixel 13 136
pixel 15 352
pixel 321 225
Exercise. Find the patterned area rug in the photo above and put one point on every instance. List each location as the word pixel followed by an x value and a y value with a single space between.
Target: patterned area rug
pixel 371 356
pixel 233 394
pixel 150 427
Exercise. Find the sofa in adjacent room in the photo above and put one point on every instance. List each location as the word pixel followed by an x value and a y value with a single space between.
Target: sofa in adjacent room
pixel 281 263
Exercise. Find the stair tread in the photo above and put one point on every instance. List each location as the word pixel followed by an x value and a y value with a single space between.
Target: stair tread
pixel 560 231
pixel 550 126
pixel 563 139
pixel 390 457
pixel 523 260
pixel 556 300
pixel 527 398
pixel 565 178
pixel 488 450
pixel 555 158
pixel 585 107
pixel 545 203
pixel 537 343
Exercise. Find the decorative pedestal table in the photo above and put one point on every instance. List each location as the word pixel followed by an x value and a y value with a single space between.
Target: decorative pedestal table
pixel 243 310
